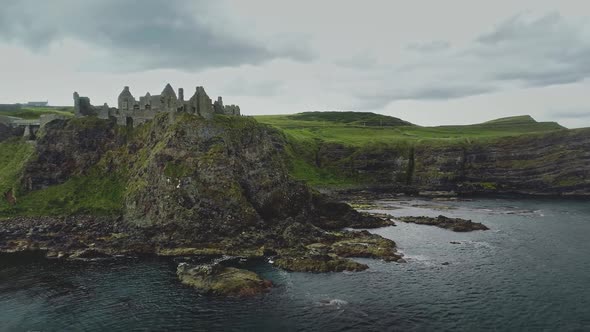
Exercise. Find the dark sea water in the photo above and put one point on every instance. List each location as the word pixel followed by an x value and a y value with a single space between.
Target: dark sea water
pixel 530 272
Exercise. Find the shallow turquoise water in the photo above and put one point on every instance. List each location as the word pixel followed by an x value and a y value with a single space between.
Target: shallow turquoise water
pixel 531 271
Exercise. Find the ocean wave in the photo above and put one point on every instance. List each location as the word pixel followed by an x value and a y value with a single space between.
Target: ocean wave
pixel 332 303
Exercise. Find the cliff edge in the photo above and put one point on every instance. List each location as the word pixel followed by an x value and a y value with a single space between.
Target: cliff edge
pixel 177 186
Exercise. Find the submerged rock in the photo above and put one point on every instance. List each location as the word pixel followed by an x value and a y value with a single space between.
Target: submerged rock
pixel 454 224
pixel 216 279
pixel 89 254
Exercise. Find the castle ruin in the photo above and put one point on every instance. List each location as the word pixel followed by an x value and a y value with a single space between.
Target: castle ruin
pixel 130 111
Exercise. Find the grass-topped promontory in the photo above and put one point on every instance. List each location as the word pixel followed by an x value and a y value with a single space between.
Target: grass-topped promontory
pixel 101 188
pixel 329 149
pixel 370 133
pixel 361 128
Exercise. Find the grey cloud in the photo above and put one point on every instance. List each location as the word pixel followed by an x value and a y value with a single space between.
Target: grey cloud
pixel 570 114
pixel 544 78
pixel 537 52
pixel 142 34
pixel 445 92
pixel 518 27
pixel 247 87
pixel 431 46
pixel 435 92
pixel 358 61
pixel 533 52
pixel 367 102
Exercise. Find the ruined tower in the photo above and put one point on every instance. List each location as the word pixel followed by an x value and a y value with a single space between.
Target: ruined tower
pixel 145 102
pixel 82 106
pixel 104 112
pixel 181 95
pixel 218 105
pixel 77 104
pixel 201 104
pixel 126 100
pixel 168 99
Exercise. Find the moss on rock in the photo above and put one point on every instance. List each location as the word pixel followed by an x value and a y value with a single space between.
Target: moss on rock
pixel 215 279
pixel 454 224
pixel 367 245
pixel 319 264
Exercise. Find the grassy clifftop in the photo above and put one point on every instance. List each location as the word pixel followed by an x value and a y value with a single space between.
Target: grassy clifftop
pixel 359 128
pixel 332 149
pixel 91 166
pixel 343 150
pixel 31 113
pixel 365 119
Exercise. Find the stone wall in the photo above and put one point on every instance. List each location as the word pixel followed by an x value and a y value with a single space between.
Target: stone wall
pixel 83 107
pixel 46 118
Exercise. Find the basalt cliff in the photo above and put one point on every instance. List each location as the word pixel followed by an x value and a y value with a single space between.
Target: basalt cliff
pixel 176 186
pixel 554 163
pixel 186 185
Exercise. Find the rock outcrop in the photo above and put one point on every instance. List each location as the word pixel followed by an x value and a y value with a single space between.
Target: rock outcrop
pixel 69 147
pixel 554 163
pixel 453 224
pixel 216 279
pixel 7 132
pixel 190 187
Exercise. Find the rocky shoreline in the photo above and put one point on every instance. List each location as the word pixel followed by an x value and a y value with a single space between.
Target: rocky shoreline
pixel 292 245
pixel 299 247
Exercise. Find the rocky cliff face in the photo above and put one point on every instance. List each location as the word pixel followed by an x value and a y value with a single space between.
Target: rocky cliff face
pixel 187 186
pixel 7 132
pixel 556 163
pixel 212 178
pixel 69 147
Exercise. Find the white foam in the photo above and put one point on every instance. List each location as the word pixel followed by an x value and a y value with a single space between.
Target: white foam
pixel 333 303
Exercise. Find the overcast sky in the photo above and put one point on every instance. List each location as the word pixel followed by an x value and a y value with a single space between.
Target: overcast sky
pixel 428 62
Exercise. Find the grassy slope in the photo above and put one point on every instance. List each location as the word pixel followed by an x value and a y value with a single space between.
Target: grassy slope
pixel 13 155
pixel 30 113
pixel 307 131
pixel 98 192
pixel 351 118
pixel 354 133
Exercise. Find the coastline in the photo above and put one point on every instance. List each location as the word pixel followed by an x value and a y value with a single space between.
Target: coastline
pixel 307 249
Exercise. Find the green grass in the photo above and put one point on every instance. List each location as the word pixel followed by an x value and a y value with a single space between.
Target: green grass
pixel 365 119
pixel 512 120
pixel 348 130
pixel 101 192
pixel 13 155
pixel 96 193
pixel 301 153
pixel 32 113
pixel 369 132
